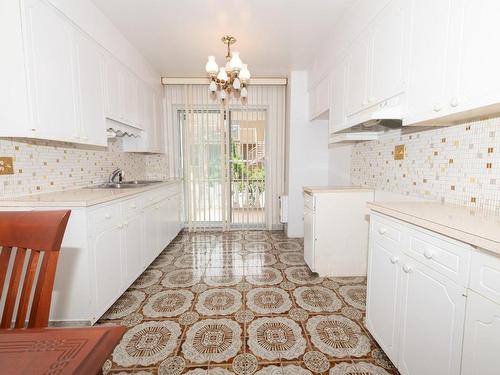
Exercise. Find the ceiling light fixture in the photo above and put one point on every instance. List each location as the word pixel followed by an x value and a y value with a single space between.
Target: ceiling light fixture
pixel 231 78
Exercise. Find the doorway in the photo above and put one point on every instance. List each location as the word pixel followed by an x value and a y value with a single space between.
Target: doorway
pixel 223 163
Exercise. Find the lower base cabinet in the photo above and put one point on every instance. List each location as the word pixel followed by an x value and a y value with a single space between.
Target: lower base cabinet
pixel 107 246
pixel 432 316
pixel 481 353
pixel 433 303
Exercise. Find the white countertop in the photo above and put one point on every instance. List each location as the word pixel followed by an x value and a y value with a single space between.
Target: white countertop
pixel 335 189
pixel 479 228
pixel 78 197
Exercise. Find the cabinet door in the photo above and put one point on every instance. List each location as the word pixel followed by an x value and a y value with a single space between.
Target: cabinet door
pixel 388 53
pixel 382 296
pixel 479 55
pixel 108 267
pixel 482 337
pixel 14 119
pixel 114 89
pixel 430 22
pixel 150 235
pixel 90 64
pixel 357 75
pixel 309 238
pixel 337 118
pixel 50 62
pixel 433 313
pixel 134 247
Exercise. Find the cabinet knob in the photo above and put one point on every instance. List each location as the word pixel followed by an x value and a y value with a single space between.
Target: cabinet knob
pixel 407 268
pixel 437 107
pixel 125 223
pixel 454 102
pixel 134 206
pixel 107 216
pixel 382 230
pixel 33 129
pixel 394 259
pixel 428 254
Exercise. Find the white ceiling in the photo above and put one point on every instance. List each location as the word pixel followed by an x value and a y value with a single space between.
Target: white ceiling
pixel 176 36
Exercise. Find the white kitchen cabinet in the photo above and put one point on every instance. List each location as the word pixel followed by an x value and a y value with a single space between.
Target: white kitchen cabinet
pixel 358 71
pixel 14 119
pixel 482 336
pixel 107 258
pixel 478 57
pixel 89 66
pixel 447 309
pixel 51 79
pixel 337 114
pixel 383 292
pixel 106 247
pixel 114 89
pixel 133 245
pixel 388 56
pixel 432 315
pixel 430 25
pixel 336 215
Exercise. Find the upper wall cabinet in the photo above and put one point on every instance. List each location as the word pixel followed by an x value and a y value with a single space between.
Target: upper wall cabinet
pixel 376 61
pixel 319 97
pixel 454 63
pixel 430 23
pixel 479 56
pixel 57 82
pixel 51 77
pixel 337 117
pixel 13 89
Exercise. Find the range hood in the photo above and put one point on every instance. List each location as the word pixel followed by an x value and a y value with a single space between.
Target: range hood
pixel 372 122
pixel 380 117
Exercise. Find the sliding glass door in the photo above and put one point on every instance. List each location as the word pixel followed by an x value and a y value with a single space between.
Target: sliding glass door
pixel 223 164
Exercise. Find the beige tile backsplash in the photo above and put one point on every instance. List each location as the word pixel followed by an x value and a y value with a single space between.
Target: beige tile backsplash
pixel 44 166
pixel 459 164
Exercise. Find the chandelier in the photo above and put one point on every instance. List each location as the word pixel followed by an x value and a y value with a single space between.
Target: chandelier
pixel 233 77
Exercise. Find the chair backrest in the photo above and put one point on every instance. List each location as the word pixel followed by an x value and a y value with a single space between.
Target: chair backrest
pixel 33 239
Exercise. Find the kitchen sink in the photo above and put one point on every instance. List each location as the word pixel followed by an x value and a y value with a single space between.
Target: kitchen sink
pixel 125 184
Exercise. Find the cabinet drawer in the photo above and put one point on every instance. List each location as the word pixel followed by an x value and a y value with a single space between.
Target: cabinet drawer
pixel 104 217
pixel 386 232
pixel 131 207
pixel 485 275
pixel 449 257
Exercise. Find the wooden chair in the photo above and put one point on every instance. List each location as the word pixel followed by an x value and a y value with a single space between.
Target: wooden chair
pixel 37 236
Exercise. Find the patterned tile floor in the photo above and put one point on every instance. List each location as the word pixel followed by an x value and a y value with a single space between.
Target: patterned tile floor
pixel 242 303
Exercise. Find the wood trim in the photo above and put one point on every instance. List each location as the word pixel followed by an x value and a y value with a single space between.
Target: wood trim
pixel 279 81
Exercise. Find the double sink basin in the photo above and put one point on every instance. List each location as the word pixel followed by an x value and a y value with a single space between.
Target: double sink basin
pixel 126 184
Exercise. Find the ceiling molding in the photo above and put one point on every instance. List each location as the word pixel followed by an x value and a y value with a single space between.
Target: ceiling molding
pixel 205 81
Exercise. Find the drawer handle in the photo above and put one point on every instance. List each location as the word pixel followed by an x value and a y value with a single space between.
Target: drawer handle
pixel 133 206
pixel 382 230
pixel 428 254
pixel 394 259
pixel 407 268
pixel 107 216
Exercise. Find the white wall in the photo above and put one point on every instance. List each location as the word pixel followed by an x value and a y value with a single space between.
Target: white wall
pixel 339 164
pixel 307 153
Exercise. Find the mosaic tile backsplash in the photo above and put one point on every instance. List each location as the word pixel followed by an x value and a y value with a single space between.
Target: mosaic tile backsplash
pixel 45 166
pixel 458 164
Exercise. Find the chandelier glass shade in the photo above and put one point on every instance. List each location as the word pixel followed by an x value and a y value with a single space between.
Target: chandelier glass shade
pixel 232 78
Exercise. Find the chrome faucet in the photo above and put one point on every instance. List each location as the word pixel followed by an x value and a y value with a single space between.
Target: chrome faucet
pixel 116 173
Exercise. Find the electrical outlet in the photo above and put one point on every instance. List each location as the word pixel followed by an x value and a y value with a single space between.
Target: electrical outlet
pixel 399 152
pixel 6 165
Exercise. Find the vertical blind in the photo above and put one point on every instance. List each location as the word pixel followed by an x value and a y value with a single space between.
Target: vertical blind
pixel 198 135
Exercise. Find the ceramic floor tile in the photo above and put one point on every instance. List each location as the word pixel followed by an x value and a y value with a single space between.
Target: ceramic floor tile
pixel 242 302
